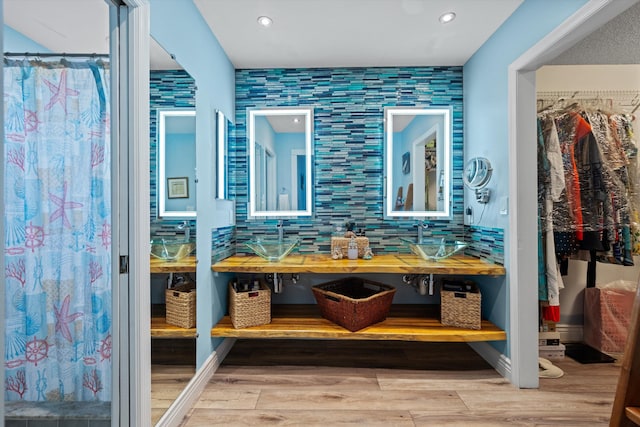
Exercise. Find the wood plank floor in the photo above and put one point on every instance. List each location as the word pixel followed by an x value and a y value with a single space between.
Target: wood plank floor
pixel 173 364
pixel 377 383
pixel 167 382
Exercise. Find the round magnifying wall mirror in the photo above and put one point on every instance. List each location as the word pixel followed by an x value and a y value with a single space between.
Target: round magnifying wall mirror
pixel 477 174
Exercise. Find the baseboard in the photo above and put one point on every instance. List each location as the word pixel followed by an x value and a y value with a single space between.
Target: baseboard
pixel 500 362
pixel 570 333
pixel 185 401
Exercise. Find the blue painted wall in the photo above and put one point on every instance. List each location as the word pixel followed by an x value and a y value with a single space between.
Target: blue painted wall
pixel 486 128
pixel 16 42
pixel 181 149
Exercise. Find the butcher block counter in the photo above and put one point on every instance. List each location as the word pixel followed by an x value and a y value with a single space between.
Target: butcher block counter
pixel 385 263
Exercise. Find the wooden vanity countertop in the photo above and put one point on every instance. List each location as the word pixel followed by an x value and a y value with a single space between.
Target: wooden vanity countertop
pixel 384 263
pixel 185 265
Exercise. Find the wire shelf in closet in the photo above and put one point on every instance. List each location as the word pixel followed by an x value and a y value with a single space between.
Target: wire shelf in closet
pixel 624 101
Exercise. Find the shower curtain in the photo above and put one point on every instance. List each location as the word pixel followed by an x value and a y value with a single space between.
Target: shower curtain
pixel 57 195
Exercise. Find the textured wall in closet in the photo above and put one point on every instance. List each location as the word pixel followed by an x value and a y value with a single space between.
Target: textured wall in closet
pixel 614 43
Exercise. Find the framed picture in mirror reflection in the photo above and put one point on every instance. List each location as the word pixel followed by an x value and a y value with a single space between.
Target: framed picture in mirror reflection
pixel 178 188
pixel 406 163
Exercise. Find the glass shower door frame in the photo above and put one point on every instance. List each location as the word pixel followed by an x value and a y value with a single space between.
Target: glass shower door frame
pixel 131 403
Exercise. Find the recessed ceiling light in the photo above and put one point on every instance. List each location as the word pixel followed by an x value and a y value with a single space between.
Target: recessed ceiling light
pixel 445 18
pixel 296 120
pixel 265 21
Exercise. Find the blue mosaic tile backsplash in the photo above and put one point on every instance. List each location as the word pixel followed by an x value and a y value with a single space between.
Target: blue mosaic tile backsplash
pixel 348 146
pixel 486 243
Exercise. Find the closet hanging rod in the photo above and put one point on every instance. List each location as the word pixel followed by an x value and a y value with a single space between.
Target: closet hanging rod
pixel 56 55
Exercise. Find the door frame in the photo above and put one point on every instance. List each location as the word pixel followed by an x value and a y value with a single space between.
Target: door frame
pixel 418 168
pixel 294 177
pixel 521 257
pixel 131 211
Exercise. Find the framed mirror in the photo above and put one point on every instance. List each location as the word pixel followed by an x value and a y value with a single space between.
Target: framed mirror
pixel 280 159
pixel 222 156
pixel 176 163
pixel 417 162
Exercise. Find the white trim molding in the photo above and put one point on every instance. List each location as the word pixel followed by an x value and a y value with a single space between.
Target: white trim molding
pixel 133 214
pixel 500 362
pixel 190 395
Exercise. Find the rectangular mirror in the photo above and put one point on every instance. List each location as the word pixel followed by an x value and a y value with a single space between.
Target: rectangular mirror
pixel 417 162
pixel 280 159
pixel 176 163
pixel 222 154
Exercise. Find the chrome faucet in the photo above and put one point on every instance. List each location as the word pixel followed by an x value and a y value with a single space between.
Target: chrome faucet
pixel 421 225
pixel 280 227
pixel 184 225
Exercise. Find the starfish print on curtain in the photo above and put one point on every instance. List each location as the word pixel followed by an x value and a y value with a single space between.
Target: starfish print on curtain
pixel 59 92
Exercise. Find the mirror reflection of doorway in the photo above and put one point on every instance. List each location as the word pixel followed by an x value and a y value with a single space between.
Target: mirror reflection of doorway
pixel 265 174
pixel 430 174
pixel 298 179
pixel 425 171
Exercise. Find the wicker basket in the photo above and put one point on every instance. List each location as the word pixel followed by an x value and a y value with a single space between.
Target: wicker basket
pixel 251 308
pixel 343 243
pixel 460 308
pixel 181 305
pixel 354 303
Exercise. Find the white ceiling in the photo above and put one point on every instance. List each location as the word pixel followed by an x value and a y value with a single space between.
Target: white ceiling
pixel 62 26
pixel 50 24
pixel 352 33
pixel 287 123
pixel 305 33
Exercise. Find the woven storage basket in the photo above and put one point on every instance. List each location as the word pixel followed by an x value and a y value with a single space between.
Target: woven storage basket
pixel 343 243
pixel 354 303
pixel 251 308
pixel 181 305
pixel 460 309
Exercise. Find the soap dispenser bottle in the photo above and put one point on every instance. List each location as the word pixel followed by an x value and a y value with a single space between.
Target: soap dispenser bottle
pixel 352 249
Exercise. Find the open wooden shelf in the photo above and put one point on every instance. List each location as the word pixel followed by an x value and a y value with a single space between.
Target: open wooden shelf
pixel 633 414
pixel 415 322
pixel 161 329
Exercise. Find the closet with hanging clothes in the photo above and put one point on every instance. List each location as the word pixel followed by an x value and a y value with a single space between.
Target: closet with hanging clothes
pixel 588 186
